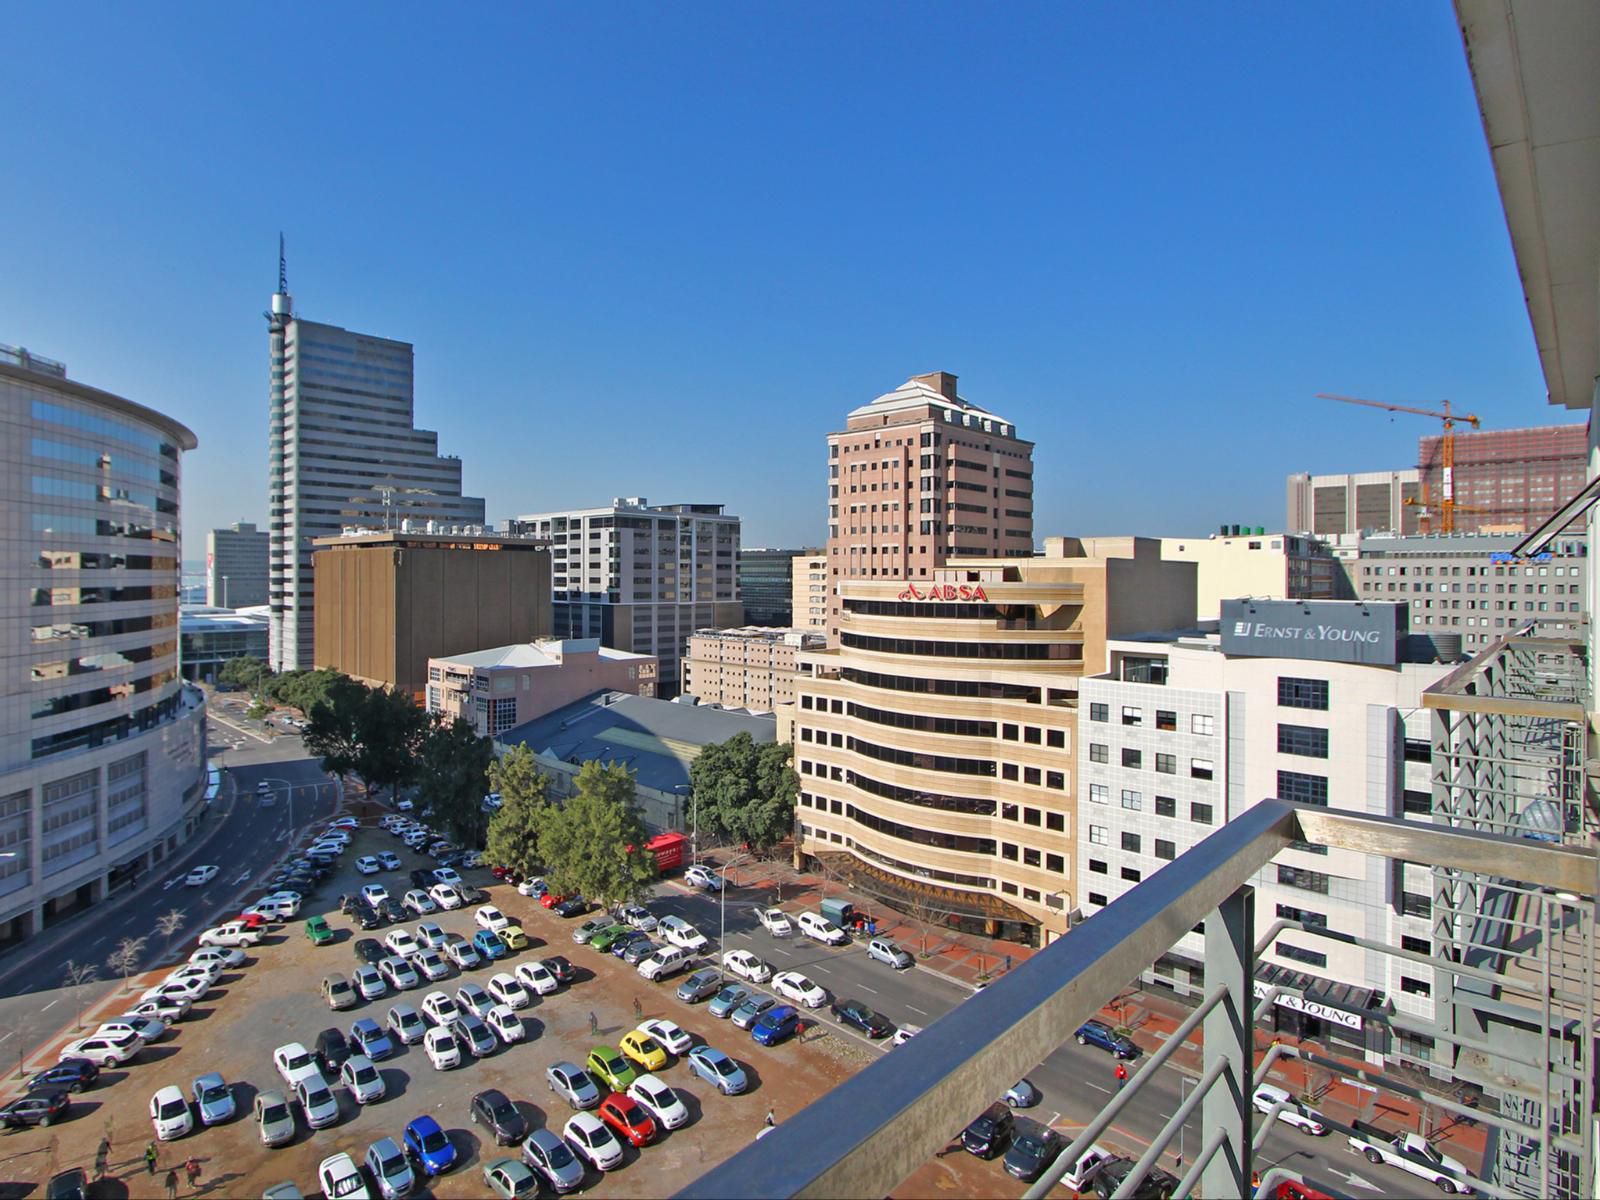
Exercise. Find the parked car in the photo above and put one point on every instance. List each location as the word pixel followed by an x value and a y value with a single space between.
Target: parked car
pixel 386 1164
pixel 337 992
pixel 442 1049
pixel 560 968
pixel 643 1050
pixel 702 985
pixel 274 1119
pixel 505 1024
pixel 474 999
pixel 717 1069
pixel 747 966
pixel 170 1114
pixel 369 950
pixel 990 1131
pixel 853 1012
pixel 318 932
pixel 884 951
pixel 317 1101
pixel 471 1032
pixel 406 1024
pixel 661 1101
pixel 607 937
pixel 818 927
pixel 728 999
pixel 428 1147
pixel 488 945
pixel 332 1051
pixel 510 1179
pixel 494 1110
pixel 792 985
pixel 629 1119
pixel 213 1099
pixel 200 876
pixel 681 934
pixel 752 1010
pixel 1022 1094
pixel 439 1008
pixel 610 1067
pixel 776 1024
pixel 429 965
pixel 1032 1151
pixel 293 1063
pixel 70 1075
pixel 572 1083
pixel 775 921
pixel 1302 1117
pixel 1101 1035
pixel 340 1178
pixel 639 917
pixel 703 877
pixel 459 951
pixel 371 1040
pixel 536 977
pixel 48 1106
pixel 491 918
pixel 573 906
pixel 362 1079
pixel 506 990
pixel 636 950
pixel 593 1141
pixel 369 983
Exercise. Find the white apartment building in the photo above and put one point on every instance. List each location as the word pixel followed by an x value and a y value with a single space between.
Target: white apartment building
pixel 641 577
pixel 1185 731
pixel 343 451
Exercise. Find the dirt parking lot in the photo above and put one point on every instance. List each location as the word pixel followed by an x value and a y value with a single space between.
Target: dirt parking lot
pixel 274 999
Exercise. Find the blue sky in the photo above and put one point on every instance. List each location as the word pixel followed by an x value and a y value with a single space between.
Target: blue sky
pixel 663 250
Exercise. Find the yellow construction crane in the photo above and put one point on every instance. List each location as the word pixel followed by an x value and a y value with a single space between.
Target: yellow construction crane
pixel 1447 502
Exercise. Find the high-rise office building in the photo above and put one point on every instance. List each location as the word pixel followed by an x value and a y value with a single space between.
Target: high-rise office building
pixel 343 451
pixel 919 476
pixel 236 566
pixel 640 576
pixel 809 601
pixel 766 585
pixel 102 747
pixel 1376 501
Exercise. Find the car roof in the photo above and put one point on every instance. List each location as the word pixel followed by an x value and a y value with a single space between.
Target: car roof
pixel 423 1124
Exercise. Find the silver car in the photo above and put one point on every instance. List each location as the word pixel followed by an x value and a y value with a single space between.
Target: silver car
pixel 884 951
pixel 407 1025
pixel 552 1158
pixel 317 1101
pixel 573 1084
pixel 274 1119
pixel 387 1164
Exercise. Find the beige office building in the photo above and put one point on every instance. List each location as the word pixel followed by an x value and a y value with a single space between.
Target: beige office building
pixel 809 604
pixel 500 688
pixel 1268 566
pixel 753 667
pixel 936 745
pixel 921 475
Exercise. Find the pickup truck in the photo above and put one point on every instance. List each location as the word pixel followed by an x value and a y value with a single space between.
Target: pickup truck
pixel 1412 1153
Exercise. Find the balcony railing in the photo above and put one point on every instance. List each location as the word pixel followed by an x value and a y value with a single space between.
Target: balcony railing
pixel 867 1135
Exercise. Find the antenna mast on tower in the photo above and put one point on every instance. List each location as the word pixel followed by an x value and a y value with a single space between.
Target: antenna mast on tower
pixel 283 268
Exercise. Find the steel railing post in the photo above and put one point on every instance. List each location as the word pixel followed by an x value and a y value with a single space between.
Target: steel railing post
pixel 1228 1035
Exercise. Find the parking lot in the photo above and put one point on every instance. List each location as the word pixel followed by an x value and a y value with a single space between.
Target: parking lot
pixel 275 999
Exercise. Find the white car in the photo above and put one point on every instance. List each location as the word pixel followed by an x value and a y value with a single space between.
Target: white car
pixel 439 1008
pixel 659 1100
pixel 815 925
pixel 460 952
pixel 399 974
pixel 680 933
pixel 200 876
pixel 146 1029
pixel 363 1079
pixel 341 1179
pixel 429 965
pixel 168 1010
pixel 343 822
pixel 431 936
pixel 443 1052
pixel 669 1035
pixel 367 864
pixel 419 902
pixel 317 1100
pixel 640 918
pixel 775 921
pixel 234 933
pixel 792 985
pixel 508 991
pixel 294 1063
pixel 445 896
pixel 474 999
pixel 327 847
pixel 374 894
pixel 170 1114
pixel 747 966
pixel 536 977
pixel 593 1142
pixel 206 970
pixel 190 989
pixel 703 877
pixel 401 943
pixel 532 887
pixel 103 1052
pixel 507 1026
pixel 473 858
pixel 286 899
pixel 227 957
pixel 491 918
pixel 369 982
pixel 904 1034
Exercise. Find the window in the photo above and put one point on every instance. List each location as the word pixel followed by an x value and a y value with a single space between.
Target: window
pixel 1305 915
pixel 1030 857
pixel 1097 866
pixel 1099 753
pixel 1132 800
pixel 1167 764
pixel 1304 740
pixel 1097 899
pixel 1031 775
pixel 1297 877
pixel 1130 842
pixel 1165 849
pixel 1009 732
pixel 1415 944
pixel 1055 779
pixel 1200 768
pixel 1312 958
pixel 1166 720
pixel 1099 712
pixel 1030 816
pixel 1203 723
pixel 1054 862
pixel 1097 836
pixel 1008 770
pixel 1056 822
pixel 1303 789
pixel 1414 905
pixel 1056 738
pixel 1166 806
pixel 1415 987
pixel 1303 693
pixel 1132 875
pixel 1030 734
pixel 1416 802
pixel 1132 757
pixel 1132 715
pixel 1418 750
pixel 1099 794
pixel 1200 814
pixel 1008 851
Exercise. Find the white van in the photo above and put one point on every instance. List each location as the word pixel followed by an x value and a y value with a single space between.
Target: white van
pixel 666 961
pixel 1307 1120
pixel 814 925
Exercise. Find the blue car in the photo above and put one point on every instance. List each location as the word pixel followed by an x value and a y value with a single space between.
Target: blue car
pixel 776 1024
pixel 369 1038
pixel 427 1145
pixel 717 1069
pixel 728 999
pixel 1098 1033
pixel 487 943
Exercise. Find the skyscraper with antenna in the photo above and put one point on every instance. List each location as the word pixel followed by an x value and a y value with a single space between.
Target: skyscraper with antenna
pixel 343 450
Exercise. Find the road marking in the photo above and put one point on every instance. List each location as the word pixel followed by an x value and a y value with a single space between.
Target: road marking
pixel 915 1009
pixel 781 950
pixel 865 988
pixel 8 1036
pixel 242 878
pixel 822 969
pixel 1096 1087
pixel 51 1005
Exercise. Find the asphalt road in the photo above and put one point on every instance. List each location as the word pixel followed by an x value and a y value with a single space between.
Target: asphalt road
pixel 1076 1081
pixel 240 836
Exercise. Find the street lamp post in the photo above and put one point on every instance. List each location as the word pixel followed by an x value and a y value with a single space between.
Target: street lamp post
pixel 722 925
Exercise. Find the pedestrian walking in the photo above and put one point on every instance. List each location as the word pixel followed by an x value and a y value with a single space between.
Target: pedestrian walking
pixel 150 1158
pixel 1122 1076
pixel 192 1170
pixel 772 1117
pixel 172 1184
pixel 101 1155
pixel 638 1011
pixel 594 1025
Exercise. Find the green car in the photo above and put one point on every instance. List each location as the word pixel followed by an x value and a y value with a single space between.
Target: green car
pixel 317 930
pixel 607 1063
pixel 607 937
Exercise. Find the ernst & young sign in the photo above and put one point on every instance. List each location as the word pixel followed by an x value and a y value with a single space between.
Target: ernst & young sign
pixel 1324 630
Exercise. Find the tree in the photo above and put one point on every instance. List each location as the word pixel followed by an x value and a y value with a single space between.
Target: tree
pixel 168 924
pixel 245 672
pixel 371 733
pixel 517 830
pixel 595 843
pixel 452 776
pixel 124 960
pixel 77 974
pixel 744 792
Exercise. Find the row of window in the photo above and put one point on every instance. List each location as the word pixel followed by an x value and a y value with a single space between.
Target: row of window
pixel 1165 719
pixel 1165 764
pixel 988 651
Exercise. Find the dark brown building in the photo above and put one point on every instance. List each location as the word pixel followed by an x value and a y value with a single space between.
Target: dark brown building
pixel 1508 478
pixel 387 602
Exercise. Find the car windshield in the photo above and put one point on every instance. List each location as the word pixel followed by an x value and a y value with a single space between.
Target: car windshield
pixel 501 1107
pixel 392 1167
pixel 215 1091
pixel 348 1184
pixel 317 1097
pixel 636 1116
pixel 445 1044
pixel 647 1046
pixel 172 1108
pixel 296 1061
pixel 434 1141
pixel 662 1096
pixel 275 1112
pixel 1028 1144
pixel 367 1075
pixel 723 1066
pixel 557 1155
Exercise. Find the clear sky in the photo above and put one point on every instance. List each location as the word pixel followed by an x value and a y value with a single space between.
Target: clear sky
pixel 662 250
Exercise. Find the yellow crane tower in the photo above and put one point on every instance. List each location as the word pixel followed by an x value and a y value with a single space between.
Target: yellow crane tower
pixel 1447 501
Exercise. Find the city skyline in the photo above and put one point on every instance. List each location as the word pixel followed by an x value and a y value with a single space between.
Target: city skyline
pixel 785 266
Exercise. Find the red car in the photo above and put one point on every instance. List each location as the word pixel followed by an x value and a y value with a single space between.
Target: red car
pixel 628 1118
pixel 501 872
pixel 550 899
pixel 251 920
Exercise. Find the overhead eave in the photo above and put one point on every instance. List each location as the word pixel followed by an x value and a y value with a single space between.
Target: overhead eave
pixel 1533 65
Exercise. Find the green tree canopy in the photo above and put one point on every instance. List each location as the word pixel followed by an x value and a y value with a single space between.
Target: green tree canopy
pixel 744 792
pixel 373 734
pixel 517 830
pixel 244 672
pixel 452 775
pixel 595 841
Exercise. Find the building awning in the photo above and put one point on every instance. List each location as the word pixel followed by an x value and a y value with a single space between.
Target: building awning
pixel 1342 1003
pixel 915 895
